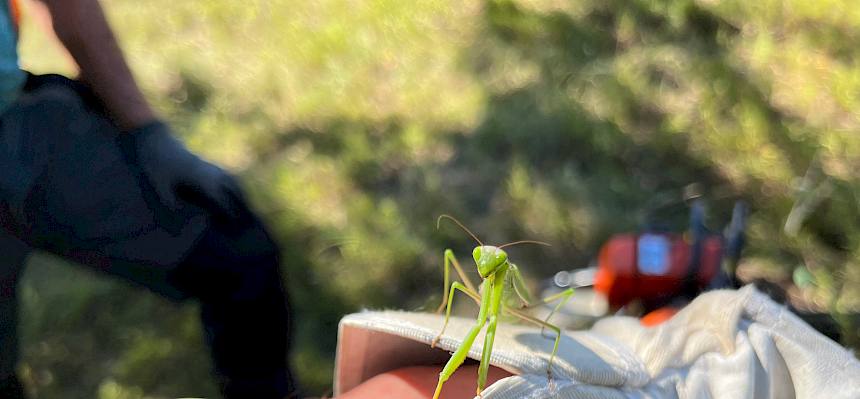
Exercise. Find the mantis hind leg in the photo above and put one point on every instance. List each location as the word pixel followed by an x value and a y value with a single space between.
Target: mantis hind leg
pixel 543 325
pixel 564 296
pixel 484 367
pixel 519 286
pixel 450 259
pixel 458 357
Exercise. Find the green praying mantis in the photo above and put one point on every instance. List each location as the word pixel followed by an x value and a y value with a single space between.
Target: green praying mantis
pixel 497 274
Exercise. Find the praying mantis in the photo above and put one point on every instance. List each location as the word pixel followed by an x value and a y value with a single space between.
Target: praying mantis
pixel 497 273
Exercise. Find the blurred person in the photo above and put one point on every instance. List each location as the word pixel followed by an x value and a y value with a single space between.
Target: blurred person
pixel 91 174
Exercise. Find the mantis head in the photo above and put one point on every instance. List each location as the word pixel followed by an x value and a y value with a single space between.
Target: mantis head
pixel 489 259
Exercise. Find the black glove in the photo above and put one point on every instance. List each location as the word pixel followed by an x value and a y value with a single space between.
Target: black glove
pixel 179 177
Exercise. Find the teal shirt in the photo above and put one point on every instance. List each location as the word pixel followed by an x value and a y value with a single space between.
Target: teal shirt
pixel 11 76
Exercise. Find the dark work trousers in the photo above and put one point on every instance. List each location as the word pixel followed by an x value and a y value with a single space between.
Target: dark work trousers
pixel 66 188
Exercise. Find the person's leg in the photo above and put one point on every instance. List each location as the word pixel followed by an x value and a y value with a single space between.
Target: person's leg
pixel 235 272
pixel 86 204
pixel 14 255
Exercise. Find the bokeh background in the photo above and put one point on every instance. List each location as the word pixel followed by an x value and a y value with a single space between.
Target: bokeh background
pixel 353 124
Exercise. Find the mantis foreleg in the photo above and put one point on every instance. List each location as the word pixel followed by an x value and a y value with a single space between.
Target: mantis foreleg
pixel 519 285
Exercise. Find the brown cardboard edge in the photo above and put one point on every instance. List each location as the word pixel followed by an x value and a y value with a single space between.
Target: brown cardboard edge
pixel 362 354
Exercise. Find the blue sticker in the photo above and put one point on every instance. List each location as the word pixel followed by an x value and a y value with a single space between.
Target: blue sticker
pixel 653 254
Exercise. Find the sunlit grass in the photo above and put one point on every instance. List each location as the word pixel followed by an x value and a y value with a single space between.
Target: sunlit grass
pixel 353 124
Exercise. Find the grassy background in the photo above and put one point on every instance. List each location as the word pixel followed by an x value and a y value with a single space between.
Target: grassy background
pixel 353 124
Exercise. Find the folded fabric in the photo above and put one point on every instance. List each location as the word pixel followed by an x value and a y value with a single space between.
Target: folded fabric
pixel 725 344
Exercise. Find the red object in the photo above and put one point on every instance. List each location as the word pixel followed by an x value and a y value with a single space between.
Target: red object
pixel 15 13
pixel 653 267
pixel 658 316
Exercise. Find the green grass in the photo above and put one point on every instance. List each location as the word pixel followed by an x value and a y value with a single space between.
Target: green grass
pixel 354 124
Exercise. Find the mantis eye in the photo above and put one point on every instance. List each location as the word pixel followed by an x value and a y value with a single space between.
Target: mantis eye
pixel 500 256
pixel 476 254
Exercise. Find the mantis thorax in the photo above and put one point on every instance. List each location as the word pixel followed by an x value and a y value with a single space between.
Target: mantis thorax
pixel 489 259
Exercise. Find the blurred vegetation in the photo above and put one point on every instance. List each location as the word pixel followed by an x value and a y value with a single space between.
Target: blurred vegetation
pixel 354 124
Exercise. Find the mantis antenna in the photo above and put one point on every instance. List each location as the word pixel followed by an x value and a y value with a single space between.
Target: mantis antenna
pixel 461 226
pixel 524 242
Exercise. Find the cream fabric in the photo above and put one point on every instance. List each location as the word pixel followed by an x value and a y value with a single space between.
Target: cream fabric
pixel 725 344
